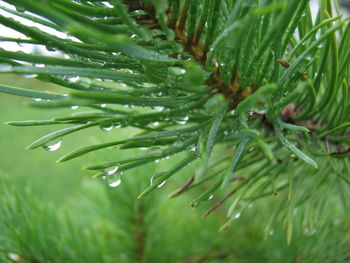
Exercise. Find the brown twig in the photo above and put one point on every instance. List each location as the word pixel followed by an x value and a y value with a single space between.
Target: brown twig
pixel 213 208
pixel 183 188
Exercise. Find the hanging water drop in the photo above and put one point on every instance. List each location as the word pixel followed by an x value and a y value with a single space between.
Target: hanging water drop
pixel 158 108
pixel 111 171
pixel 106 126
pixel 73 79
pixel 53 147
pixel 183 120
pixel 161 184
pixel 113 180
pixel 236 216
pixel 30 76
pixel 193 148
pixel 154 178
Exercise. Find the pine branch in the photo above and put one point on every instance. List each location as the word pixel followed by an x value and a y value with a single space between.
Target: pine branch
pixel 235 85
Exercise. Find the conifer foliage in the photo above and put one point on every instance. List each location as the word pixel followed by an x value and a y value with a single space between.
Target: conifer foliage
pixel 254 95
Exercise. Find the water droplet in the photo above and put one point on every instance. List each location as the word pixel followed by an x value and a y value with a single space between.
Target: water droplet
pixel 40 65
pixel 157 161
pixel 153 180
pixel 310 232
pixel 236 216
pixel 30 76
pixel 158 108
pixel 106 126
pixel 115 183
pixel 107 4
pixel 155 124
pixel 113 180
pixel 74 107
pixel 193 148
pixel 272 233
pixel 53 147
pixel 161 184
pixel 260 112
pixel 182 120
pixel 103 105
pixel 210 197
pixel 133 36
pixel 111 171
pixel 37 99
pixel 73 79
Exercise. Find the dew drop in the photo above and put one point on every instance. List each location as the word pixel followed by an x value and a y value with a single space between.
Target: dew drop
pixel 73 79
pixel 310 232
pixel 103 105
pixel 37 99
pixel 111 171
pixel 154 178
pixel 115 183
pixel 193 148
pixel 236 216
pixel 183 120
pixel 210 197
pixel 53 147
pixel 113 180
pixel 107 4
pixel 158 108
pixel 106 126
pixel 30 76
pixel 161 184
pixel 155 124
pixel 74 107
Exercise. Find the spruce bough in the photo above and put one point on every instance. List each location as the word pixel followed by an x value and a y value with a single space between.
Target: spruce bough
pixel 254 93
